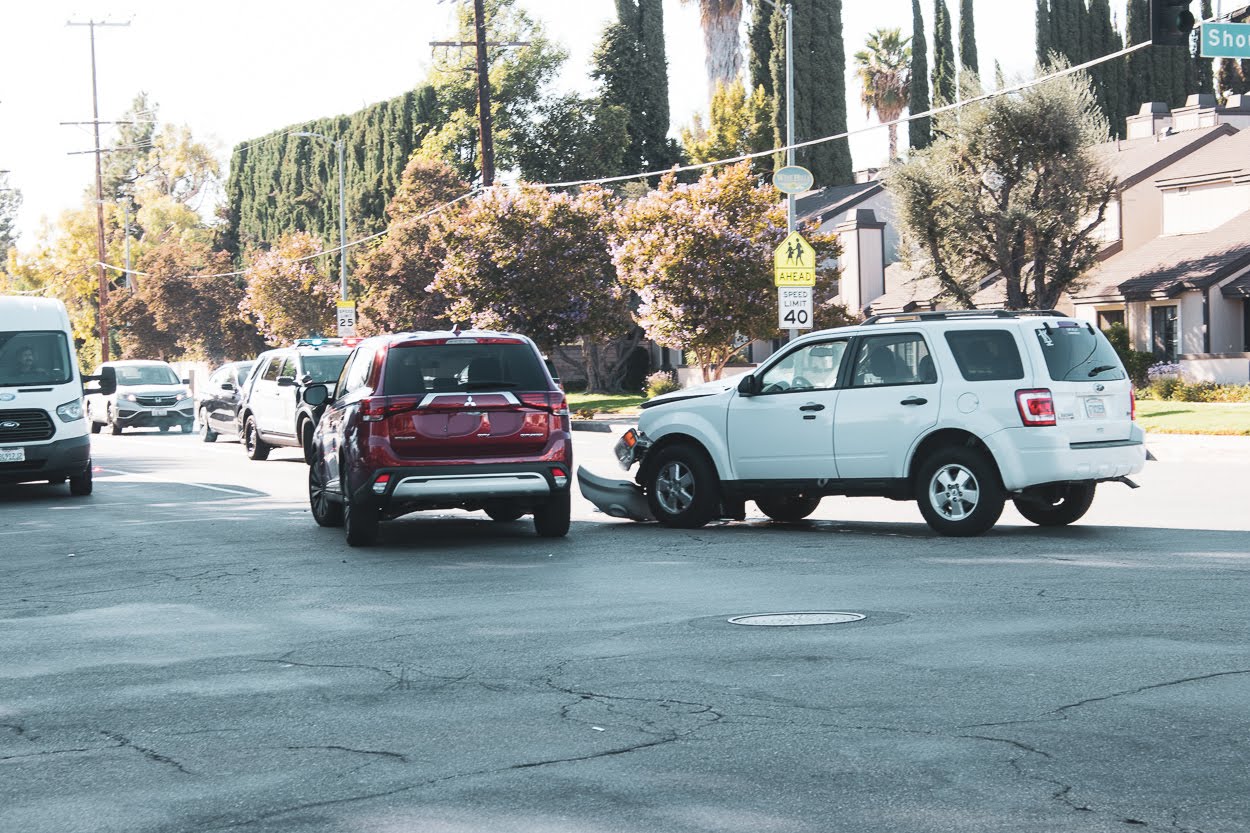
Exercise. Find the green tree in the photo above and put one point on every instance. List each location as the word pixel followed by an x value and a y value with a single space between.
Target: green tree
pixel 1042 32
pixel 1231 78
pixel 968 38
pixel 632 68
pixel 1013 189
pixel 760 48
pixel 819 87
pixel 10 204
pixel 700 258
pixel 884 71
pixel 943 55
pixel 571 138
pixel 288 294
pixel 919 131
pixel 737 124
pixel 396 271
pixel 1204 66
pixel 538 262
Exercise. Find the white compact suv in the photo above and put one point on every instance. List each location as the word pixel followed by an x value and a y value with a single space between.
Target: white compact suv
pixel 958 411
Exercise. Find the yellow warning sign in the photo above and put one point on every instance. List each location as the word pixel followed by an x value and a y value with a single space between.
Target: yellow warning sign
pixel 794 262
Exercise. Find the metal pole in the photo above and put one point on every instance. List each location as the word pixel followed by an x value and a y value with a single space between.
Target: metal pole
pixel 126 237
pixel 99 209
pixel 483 96
pixel 342 229
pixel 791 221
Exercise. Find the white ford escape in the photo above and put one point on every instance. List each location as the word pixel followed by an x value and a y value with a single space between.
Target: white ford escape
pixel 958 411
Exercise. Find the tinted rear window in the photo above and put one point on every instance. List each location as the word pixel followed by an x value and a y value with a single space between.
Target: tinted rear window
pixel 1079 353
pixel 438 368
pixel 986 355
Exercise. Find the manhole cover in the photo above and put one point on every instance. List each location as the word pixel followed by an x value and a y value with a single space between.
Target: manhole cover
pixel 823 617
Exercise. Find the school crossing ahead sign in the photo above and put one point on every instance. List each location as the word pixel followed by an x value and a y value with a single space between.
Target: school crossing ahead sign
pixel 794 262
pixel 1225 40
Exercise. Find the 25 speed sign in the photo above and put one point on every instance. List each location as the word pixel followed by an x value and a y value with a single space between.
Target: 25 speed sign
pixel 794 307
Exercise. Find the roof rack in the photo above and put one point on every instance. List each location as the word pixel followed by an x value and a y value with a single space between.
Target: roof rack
pixel 956 314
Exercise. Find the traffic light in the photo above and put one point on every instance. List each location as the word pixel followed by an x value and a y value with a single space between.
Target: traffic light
pixel 1170 22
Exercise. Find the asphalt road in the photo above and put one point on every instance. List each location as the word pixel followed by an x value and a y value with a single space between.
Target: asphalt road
pixel 186 651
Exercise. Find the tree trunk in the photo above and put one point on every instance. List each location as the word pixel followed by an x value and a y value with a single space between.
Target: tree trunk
pixel 721 19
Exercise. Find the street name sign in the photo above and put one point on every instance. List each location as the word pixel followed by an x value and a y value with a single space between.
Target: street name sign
pixel 794 262
pixel 1225 40
pixel 346 315
pixel 794 307
pixel 793 179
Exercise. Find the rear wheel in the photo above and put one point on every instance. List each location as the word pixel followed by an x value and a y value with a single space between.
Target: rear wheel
pixel 207 434
pixel 958 492
pixel 360 521
pixel 306 440
pixel 257 449
pixel 551 520
pixel 682 488
pixel 80 484
pixel 115 427
pixel 326 511
pixel 1056 505
pixel 788 509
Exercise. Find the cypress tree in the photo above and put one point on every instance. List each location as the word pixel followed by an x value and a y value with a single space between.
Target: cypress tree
pixel 1042 31
pixel 919 131
pixel 633 68
pixel 967 38
pixel 1205 69
pixel 760 46
pixel 943 55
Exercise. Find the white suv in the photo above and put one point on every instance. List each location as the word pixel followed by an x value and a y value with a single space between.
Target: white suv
pixel 958 411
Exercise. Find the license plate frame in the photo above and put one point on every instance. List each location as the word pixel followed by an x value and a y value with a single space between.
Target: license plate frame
pixel 1095 407
pixel 12 455
pixel 160 412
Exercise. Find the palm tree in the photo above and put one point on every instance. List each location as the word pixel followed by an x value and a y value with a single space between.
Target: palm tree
pixel 720 20
pixel 884 70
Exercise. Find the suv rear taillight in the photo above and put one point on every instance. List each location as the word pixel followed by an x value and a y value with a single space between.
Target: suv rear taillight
pixel 378 408
pixel 1037 407
pixel 1132 403
pixel 554 403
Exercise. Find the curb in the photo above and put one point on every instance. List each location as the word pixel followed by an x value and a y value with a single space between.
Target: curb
pixel 591 425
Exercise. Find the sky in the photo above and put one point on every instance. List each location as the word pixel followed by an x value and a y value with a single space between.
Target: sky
pixel 236 69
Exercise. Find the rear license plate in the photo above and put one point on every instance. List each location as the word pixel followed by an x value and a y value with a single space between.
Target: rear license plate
pixel 1095 408
pixel 159 411
pixel 12 455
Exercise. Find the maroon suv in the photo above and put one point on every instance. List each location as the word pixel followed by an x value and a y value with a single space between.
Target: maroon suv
pixel 441 420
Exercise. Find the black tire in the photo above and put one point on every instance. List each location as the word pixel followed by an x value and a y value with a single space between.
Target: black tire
pixel 787 509
pixel 504 512
pixel 326 511
pixel 958 492
pixel 256 448
pixel 1056 506
pixel 186 427
pixel 306 440
pixel 95 426
pixel 360 521
pixel 80 484
pixel 551 520
pixel 165 428
pixel 115 427
pixel 207 434
pixel 682 488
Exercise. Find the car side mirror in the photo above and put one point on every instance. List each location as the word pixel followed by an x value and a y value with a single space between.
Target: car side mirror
pixel 286 381
pixel 187 381
pixel 107 381
pixel 749 385
pixel 316 395
pixel 227 386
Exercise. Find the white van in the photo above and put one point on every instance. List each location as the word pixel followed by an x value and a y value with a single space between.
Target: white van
pixel 43 435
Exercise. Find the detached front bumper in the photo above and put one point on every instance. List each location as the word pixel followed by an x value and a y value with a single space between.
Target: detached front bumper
pixel 618 498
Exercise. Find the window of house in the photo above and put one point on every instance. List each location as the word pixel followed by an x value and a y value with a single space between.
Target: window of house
pixel 1107 317
pixel 1164 333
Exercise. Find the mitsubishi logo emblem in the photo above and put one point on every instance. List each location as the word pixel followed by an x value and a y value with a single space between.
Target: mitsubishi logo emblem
pixel 469 403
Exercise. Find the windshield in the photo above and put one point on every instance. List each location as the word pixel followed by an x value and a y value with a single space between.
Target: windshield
pixel 1078 353
pixel 39 357
pixel 133 375
pixel 325 367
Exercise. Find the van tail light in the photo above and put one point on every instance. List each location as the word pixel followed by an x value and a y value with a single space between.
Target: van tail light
pixel 554 403
pixel 1037 407
pixel 1132 403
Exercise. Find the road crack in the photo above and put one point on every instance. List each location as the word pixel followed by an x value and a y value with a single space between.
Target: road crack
pixel 124 742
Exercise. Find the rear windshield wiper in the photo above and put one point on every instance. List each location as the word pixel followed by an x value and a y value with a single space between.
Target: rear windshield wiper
pixel 488 385
pixel 1101 368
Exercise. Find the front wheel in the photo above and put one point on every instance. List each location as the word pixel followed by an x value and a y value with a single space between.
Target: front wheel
pixel 958 492
pixel 552 519
pixel 95 426
pixel 115 427
pixel 788 509
pixel 80 484
pixel 306 441
pixel 207 434
pixel 1056 506
pixel 326 511
pixel 256 448
pixel 682 488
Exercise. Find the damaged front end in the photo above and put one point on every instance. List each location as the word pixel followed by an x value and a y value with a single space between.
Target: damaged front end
pixel 619 498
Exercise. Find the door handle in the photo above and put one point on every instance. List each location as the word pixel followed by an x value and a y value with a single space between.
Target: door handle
pixel 812 406
pixel 914 400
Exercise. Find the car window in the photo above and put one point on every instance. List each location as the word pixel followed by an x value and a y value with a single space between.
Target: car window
pixel 811 367
pixel 324 367
pixel 240 373
pixel 270 373
pixel 34 357
pixel 146 374
pixel 220 376
pixel 460 367
pixel 894 359
pixel 358 372
pixel 986 355
pixel 1076 352
pixel 288 368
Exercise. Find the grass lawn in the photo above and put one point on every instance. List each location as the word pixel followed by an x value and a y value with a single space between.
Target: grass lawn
pixel 605 403
pixel 1193 417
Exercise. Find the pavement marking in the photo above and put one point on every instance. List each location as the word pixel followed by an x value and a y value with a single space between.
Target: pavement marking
pixel 144 477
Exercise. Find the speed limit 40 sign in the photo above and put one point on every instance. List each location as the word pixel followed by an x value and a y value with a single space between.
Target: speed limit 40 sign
pixel 794 307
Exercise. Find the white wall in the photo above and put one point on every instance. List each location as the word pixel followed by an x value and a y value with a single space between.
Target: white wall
pixel 882 205
pixel 1190 324
pixel 1226 336
pixel 1202 207
pixel 1226 370
pixel 1108 231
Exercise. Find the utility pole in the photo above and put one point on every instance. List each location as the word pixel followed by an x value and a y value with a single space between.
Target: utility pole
pixel 483 95
pixel 99 189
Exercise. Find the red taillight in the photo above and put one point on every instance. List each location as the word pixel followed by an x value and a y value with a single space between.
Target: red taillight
pixel 1132 403
pixel 552 401
pixel 1037 407
pixel 378 408
pixel 560 476
pixel 379 484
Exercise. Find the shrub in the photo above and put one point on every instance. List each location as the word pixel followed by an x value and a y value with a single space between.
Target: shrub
pixel 1136 362
pixel 661 381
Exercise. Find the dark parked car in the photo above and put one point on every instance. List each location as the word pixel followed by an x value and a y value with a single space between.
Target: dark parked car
pixel 441 421
pixel 274 411
pixel 217 402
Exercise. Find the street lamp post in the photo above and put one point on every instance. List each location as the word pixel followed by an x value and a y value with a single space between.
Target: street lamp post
pixel 338 146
